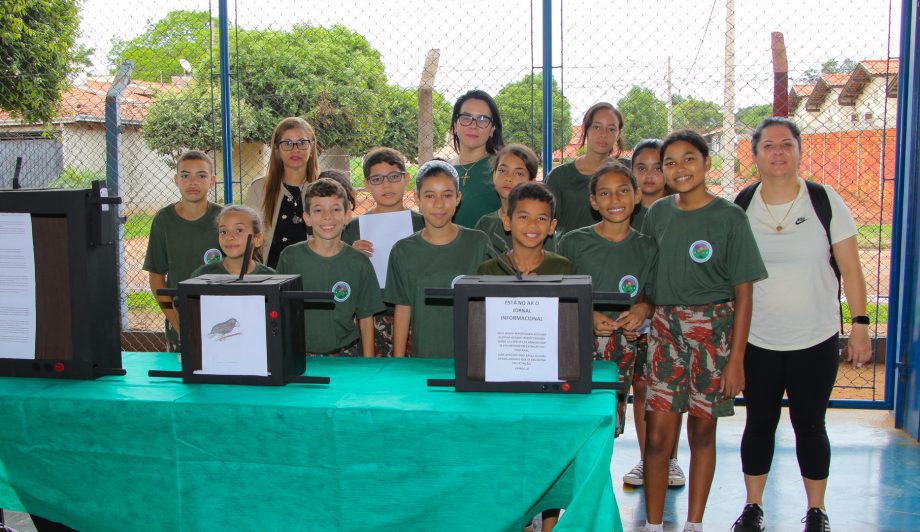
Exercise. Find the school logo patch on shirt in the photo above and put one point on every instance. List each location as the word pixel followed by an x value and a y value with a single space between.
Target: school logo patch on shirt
pixel 629 285
pixel 341 291
pixel 213 256
pixel 700 251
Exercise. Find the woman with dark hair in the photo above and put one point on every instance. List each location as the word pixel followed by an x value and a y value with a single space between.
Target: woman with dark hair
pixel 293 163
pixel 601 138
pixel 476 127
pixel 793 347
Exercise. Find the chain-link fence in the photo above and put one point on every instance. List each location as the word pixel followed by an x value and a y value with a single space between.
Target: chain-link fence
pixel 353 70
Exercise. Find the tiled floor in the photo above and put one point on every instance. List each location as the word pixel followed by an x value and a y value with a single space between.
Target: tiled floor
pixel 874 482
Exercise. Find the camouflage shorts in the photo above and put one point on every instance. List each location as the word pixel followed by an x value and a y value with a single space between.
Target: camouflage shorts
pixel 641 358
pixel 618 349
pixel 689 347
pixel 172 339
pixel 383 335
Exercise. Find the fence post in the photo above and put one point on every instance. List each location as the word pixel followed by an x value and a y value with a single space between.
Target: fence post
pixel 547 86
pixel 113 129
pixel 225 123
pixel 426 107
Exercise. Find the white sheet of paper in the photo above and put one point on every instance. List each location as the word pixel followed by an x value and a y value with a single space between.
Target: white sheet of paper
pixel 17 286
pixel 522 339
pixel 233 340
pixel 384 230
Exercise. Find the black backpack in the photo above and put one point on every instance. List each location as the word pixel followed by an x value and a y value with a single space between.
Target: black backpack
pixel 822 205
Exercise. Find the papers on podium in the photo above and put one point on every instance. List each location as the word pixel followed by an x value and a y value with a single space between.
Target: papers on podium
pixel 522 339
pixel 233 340
pixel 17 287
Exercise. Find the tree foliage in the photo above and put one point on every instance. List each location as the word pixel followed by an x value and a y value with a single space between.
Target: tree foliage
pixel 831 66
pixel 698 115
pixel 747 118
pixel 191 120
pixel 157 51
pixel 401 123
pixel 644 116
pixel 38 53
pixel 519 111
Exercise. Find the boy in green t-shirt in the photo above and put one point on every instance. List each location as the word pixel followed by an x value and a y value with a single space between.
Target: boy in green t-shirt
pixel 431 258
pixel 513 164
pixel 326 263
pixel 183 236
pixel 529 219
pixel 385 177
pixel 703 285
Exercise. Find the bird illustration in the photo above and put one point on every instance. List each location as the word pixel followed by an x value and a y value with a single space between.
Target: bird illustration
pixel 223 329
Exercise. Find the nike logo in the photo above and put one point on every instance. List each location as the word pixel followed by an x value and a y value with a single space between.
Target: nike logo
pixel 800 219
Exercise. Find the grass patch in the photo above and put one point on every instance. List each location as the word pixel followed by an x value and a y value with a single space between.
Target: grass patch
pixel 874 236
pixel 73 178
pixel 871 309
pixel 138 225
pixel 142 301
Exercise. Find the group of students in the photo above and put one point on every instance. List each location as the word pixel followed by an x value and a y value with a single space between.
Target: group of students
pixel 648 227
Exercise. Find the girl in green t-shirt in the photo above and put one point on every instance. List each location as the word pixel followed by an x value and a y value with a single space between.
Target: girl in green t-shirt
pixel 512 165
pixel 235 224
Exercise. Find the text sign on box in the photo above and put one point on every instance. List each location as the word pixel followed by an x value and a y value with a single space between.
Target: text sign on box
pixel 522 339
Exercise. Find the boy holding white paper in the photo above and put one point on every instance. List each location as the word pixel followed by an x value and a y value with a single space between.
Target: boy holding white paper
pixel 326 263
pixel 385 177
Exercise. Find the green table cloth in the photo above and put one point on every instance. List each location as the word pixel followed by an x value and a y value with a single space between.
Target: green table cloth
pixel 374 450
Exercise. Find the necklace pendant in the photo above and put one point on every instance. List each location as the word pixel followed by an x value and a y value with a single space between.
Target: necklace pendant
pixel 779 229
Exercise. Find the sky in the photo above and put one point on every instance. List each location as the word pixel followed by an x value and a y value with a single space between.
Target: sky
pixel 600 49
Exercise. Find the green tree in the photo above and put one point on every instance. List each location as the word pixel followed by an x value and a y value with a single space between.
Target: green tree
pixel 831 66
pixel 38 53
pixel 747 118
pixel 401 123
pixel 698 115
pixel 519 111
pixel 644 116
pixel 190 120
pixel 157 51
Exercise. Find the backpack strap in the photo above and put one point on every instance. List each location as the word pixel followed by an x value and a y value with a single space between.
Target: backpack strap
pixel 822 205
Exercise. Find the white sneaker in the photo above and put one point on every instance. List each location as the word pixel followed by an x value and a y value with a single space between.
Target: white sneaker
pixel 693 528
pixel 636 475
pixel 675 474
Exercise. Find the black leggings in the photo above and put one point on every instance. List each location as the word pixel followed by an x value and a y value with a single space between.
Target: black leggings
pixel 807 376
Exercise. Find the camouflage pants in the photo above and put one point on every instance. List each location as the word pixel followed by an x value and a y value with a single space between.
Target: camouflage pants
pixel 383 335
pixel 689 347
pixel 620 350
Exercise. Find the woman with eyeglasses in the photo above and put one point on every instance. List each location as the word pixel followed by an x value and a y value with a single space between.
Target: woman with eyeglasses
pixel 601 139
pixel 293 163
pixel 477 131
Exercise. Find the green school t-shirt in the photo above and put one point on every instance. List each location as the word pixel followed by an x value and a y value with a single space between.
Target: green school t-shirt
pixel 573 209
pixel 552 265
pixel 218 269
pixel 415 265
pixel 478 192
pixel 702 254
pixel 638 216
pixel 491 225
pixel 624 267
pixel 177 247
pixel 352 232
pixel 350 277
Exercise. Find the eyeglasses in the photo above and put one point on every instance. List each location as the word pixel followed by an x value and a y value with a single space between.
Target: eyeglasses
pixel 377 179
pixel 288 145
pixel 482 121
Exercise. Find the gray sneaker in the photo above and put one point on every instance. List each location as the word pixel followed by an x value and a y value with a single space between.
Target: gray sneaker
pixel 636 475
pixel 675 474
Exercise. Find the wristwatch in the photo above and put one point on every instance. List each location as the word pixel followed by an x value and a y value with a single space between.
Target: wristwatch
pixel 861 320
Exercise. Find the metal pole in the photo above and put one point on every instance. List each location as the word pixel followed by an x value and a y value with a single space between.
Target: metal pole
pixel 113 129
pixel 226 126
pixel 547 86
pixel 728 110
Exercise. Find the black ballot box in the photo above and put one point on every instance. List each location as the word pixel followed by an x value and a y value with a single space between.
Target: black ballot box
pixel 521 336
pixel 247 330
pixel 60 313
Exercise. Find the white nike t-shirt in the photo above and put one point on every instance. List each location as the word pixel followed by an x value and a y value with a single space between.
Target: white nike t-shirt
pixel 796 306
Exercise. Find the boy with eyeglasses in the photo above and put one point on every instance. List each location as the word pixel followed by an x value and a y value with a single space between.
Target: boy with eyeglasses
pixel 385 177
pixel 183 236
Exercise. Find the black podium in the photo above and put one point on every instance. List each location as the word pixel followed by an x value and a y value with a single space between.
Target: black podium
pixel 575 330
pixel 77 317
pixel 282 312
